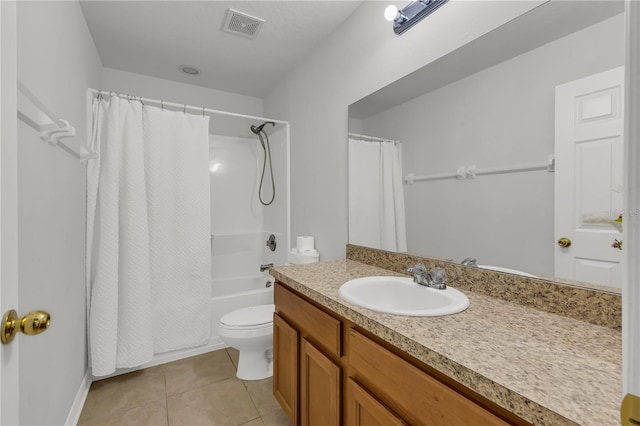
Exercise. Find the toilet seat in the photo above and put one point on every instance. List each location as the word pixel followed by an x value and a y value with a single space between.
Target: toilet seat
pixel 254 317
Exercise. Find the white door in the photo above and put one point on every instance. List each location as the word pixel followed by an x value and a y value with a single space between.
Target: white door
pixel 8 208
pixel 589 178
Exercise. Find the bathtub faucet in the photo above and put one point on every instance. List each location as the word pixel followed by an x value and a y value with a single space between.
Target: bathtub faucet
pixel 266 267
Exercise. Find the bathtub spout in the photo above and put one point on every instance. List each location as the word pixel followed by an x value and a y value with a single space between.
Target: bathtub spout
pixel 266 267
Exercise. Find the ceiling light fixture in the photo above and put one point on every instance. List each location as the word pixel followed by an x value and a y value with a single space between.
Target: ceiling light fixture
pixel 411 14
pixel 189 69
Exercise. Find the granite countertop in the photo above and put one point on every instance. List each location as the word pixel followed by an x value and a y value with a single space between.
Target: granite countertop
pixel 546 368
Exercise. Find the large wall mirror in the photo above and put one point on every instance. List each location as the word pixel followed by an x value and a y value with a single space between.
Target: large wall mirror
pixel 536 107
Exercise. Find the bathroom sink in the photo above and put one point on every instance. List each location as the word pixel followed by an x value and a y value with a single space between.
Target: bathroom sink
pixel 507 270
pixel 401 296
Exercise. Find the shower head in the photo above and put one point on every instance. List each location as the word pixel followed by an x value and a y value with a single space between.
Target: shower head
pixel 258 129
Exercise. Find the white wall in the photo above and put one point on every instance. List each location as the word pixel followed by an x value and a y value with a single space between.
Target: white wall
pixel 501 116
pixel 362 56
pixel 57 61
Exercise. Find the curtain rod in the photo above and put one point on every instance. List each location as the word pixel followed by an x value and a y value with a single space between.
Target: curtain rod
pixel 184 107
pixel 370 138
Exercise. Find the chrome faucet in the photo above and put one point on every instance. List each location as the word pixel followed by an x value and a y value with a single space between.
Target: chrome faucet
pixel 266 267
pixel 423 277
pixel 469 261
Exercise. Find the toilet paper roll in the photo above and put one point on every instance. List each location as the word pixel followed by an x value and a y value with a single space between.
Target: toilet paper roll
pixel 300 258
pixel 305 244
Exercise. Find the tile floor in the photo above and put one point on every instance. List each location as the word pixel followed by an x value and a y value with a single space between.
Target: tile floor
pixel 202 390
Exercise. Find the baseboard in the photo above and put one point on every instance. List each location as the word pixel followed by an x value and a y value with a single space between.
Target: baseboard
pixel 78 402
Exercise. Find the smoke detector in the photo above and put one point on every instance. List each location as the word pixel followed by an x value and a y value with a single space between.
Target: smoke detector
pixel 189 69
pixel 241 24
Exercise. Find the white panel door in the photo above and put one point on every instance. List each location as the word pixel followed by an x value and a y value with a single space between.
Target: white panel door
pixel 589 177
pixel 9 371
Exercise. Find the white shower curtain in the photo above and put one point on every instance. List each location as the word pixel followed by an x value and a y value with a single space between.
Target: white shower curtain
pixel 376 196
pixel 148 233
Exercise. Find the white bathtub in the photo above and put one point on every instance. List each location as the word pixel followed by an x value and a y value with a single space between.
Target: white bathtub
pixel 229 294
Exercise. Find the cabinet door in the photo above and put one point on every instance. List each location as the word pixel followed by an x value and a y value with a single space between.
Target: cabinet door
pixel 362 409
pixel 285 367
pixel 320 394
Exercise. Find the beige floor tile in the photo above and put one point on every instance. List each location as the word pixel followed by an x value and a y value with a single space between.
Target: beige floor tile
pixel 154 414
pixel 234 354
pixel 192 373
pixel 223 403
pixel 110 397
pixel 261 392
pixel 276 418
pixel 254 422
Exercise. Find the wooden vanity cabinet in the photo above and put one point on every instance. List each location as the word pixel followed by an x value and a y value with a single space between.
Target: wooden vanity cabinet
pixel 306 354
pixel 328 371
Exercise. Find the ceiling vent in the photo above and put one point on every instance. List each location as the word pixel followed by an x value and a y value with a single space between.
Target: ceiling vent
pixel 241 24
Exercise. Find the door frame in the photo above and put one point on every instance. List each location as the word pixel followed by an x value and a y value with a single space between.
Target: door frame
pixel 9 354
pixel 631 284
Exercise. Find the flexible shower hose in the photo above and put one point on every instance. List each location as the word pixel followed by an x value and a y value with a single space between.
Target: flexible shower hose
pixel 267 151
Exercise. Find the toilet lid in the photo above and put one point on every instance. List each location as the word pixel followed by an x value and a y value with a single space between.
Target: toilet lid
pixel 253 315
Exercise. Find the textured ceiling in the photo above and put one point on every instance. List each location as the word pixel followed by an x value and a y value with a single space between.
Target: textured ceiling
pixel 155 37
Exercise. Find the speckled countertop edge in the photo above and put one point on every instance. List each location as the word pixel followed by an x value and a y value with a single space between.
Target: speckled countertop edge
pixel 549 386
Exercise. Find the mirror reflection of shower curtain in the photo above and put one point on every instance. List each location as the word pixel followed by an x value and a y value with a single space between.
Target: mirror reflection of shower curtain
pixel 148 233
pixel 376 195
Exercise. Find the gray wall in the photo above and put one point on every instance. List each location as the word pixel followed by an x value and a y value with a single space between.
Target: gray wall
pixel 362 56
pixel 501 116
pixel 57 61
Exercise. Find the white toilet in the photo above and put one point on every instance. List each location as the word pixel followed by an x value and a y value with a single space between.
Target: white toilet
pixel 250 330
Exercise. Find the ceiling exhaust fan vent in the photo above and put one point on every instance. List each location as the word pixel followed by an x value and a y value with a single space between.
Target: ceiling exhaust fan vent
pixel 241 24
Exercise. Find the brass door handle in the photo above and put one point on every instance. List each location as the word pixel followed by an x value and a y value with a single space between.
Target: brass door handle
pixel 564 242
pixel 33 323
pixel 630 410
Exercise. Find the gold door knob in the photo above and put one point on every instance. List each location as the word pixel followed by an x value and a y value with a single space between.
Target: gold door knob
pixel 564 242
pixel 630 410
pixel 33 323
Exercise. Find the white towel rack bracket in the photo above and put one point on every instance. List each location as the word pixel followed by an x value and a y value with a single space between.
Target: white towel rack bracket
pixel 52 129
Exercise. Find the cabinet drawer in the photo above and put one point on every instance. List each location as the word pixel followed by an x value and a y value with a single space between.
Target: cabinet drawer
pixel 415 395
pixel 315 324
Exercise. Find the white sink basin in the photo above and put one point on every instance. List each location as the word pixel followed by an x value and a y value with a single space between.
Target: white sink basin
pixel 507 270
pixel 401 296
